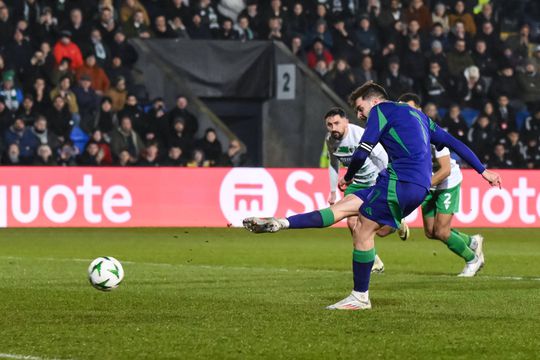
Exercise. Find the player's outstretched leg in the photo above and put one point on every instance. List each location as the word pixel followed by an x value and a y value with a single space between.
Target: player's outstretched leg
pixel 346 207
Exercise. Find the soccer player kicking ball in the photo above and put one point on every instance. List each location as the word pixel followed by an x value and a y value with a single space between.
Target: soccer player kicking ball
pixel 406 134
pixel 341 141
pixel 442 203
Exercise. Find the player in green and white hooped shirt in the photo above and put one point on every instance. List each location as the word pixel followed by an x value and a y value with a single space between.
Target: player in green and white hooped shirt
pixel 442 203
pixel 341 142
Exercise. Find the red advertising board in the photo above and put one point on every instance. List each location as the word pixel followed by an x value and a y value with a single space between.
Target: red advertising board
pixel 134 197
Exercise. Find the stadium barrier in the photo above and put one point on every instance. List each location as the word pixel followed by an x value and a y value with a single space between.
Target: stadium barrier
pixel 217 197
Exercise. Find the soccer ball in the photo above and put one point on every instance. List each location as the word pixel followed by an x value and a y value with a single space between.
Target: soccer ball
pixel 105 273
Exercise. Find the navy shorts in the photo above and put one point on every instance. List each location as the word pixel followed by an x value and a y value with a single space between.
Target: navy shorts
pixel 389 201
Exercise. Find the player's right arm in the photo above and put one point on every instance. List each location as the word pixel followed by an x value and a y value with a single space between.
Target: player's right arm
pixel 333 172
pixel 441 138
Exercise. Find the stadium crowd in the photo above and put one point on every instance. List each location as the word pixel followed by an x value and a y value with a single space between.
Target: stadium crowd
pixel 69 63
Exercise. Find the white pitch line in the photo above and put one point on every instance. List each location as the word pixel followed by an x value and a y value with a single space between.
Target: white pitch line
pixel 247 268
pixel 23 357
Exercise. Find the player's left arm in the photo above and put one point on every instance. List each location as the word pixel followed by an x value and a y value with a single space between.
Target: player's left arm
pixel 443 172
pixel 369 139
pixel 441 138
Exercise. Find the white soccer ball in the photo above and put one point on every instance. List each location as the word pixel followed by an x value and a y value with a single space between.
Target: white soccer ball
pixel 105 273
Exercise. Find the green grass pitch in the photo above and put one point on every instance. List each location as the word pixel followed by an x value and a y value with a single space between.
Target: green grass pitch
pixel 229 294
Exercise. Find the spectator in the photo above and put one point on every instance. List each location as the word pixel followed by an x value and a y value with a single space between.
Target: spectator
pixel 40 66
pixel 191 123
pixel 174 157
pixel 92 156
pixel 458 32
pixel 499 159
pixel 472 88
pixel 414 32
pixel 532 153
pixel 235 155
pixel 297 48
pixel 455 124
pixel 197 159
pixel 322 33
pixel 418 11
pixel 388 17
pixel 439 16
pixel 124 50
pixel 162 30
pixel 104 148
pixel 437 34
pixel 437 55
pixel 177 137
pixel 150 156
pixel 65 48
pixel 211 146
pixel 297 23
pixel 15 132
pixel 59 116
pixel 227 31
pixel 124 159
pixel 12 95
pixel 318 52
pixel 67 154
pixel 40 94
pixel 430 109
pixel 129 8
pixel 18 52
pixel 344 46
pixel 460 14
pixel 365 37
pixel 176 9
pixel 505 83
pixel 520 43
pixel 365 72
pixel 531 127
pixel 244 29
pixel 124 137
pixel 514 148
pixel 87 98
pixel 207 13
pixel 489 111
pixel 252 13
pixel 198 30
pixel 157 124
pixel 64 91
pixel 394 81
pixel 12 156
pixel 483 60
pixel 413 63
pixel 340 79
pixel 436 86
pixel 37 135
pixel 491 37
pixel 27 111
pixel 47 27
pixel 44 156
pixel 481 136
pixel 529 83
pixel 136 27
pixel 104 120
pixel 135 113
pixel 98 78
pixel 118 94
pixel 486 15
pixel 321 69
pixel 6 25
pixel 80 31
pixel 459 59
pixel 99 48
pixel 275 29
pixel 505 115
pixel 106 24
pixel 63 69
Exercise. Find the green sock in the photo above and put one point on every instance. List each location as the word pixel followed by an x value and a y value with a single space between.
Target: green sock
pixel 459 246
pixel 465 237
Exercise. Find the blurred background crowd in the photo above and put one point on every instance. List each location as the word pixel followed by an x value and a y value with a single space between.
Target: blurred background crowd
pixel 68 67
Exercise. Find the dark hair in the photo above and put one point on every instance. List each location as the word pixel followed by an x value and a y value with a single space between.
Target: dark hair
pixel 410 97
pixel 335 111
pixel 366 91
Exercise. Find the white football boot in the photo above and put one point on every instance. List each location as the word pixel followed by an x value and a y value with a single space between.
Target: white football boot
pixel 477 245
pixel 378 266
pixel 403 230
pixel 472 267
pixel 356 301
pixel 265 225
